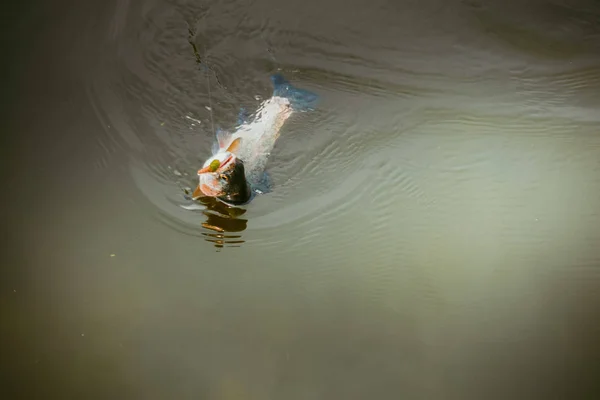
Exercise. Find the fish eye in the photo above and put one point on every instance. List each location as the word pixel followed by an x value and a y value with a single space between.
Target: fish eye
pixel 224 177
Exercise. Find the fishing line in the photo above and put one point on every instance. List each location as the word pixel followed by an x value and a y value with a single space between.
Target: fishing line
pixel 204 65
pixel 212 124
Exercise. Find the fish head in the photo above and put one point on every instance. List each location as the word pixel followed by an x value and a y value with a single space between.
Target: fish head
pixel 224 177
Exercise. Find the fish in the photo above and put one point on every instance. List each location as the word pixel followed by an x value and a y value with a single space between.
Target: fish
pixel 235 172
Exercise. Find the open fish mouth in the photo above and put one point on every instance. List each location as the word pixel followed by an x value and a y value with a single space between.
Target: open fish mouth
pixel 217 166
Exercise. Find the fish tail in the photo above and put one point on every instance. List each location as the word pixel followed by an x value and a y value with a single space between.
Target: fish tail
pixel 300 99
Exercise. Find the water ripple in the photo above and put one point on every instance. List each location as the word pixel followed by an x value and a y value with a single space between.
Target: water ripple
pixel 354 159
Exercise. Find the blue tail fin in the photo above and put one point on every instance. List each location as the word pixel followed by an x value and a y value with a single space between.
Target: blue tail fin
pixel 299 98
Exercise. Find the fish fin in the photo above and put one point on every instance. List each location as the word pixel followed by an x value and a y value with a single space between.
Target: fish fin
pixel 264 185
pixel 223 138
pixel 300 99
pixel 243 116
pixel 197 193
pixel 234 146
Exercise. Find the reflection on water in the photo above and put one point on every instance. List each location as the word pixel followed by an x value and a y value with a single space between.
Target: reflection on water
pixel 222 220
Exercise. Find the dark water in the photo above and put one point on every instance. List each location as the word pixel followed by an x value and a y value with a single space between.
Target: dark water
pixel 433 232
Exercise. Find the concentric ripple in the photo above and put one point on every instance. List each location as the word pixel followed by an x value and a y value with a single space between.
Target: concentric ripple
pixel 177 74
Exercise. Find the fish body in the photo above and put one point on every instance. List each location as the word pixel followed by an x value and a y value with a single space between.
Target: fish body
pixel 236 169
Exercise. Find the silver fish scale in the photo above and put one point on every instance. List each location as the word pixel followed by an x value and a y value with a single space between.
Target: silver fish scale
pixel 259 136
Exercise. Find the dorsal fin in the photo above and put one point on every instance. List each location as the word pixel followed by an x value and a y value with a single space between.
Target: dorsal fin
pixel 223 138
pixel 234 146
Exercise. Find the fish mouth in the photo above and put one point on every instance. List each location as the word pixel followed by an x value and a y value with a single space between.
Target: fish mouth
pixel 209 176
pixel 222 166
pixel 226 164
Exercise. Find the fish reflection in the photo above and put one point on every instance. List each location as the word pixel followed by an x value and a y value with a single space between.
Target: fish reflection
pixel 223 220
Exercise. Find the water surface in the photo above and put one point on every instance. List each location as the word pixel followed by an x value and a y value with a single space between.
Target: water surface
pixel 432 232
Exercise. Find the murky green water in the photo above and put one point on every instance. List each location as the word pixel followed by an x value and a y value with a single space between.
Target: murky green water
pixel 432 233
